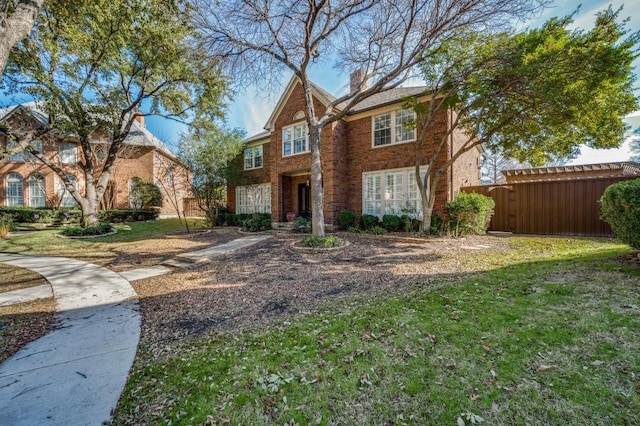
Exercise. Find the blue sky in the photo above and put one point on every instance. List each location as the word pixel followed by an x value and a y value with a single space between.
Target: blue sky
pixel 250 107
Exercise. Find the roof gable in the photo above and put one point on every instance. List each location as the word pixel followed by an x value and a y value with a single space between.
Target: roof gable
pixel 322 95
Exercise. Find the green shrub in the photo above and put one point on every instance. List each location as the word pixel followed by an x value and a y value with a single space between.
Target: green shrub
pixel 119 216
pixel 470 213
pixel 377 230
pixel 30 214
pixel 436 225
pixel 368 221
pixel 145 195
pixel 78 231
pixel 620 208
pixel 322 242
pixel 258 222
pixel 302 225
pixel 346 219
pixel 6 221
pixel 391 222
pixel 354 230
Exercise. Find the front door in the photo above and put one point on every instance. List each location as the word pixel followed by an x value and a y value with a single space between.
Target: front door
pixel 304 200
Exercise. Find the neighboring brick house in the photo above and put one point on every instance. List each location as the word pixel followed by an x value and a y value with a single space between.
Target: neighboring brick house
pixel 25 181
pixel 368 159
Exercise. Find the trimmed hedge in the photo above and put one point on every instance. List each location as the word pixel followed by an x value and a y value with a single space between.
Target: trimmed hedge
pixel 391 222
pixel 258 222
pixel 470 213
pixel 78 231
pixel 368 221
pixel 346 219
pixel 41 214
pixel 620 208
pixel 119 216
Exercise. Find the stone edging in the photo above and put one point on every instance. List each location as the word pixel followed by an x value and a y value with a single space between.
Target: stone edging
pixel 86 237
pixel 310 250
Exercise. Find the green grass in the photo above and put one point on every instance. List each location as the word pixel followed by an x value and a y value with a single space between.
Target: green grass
pixel 45 241
pixel 549 334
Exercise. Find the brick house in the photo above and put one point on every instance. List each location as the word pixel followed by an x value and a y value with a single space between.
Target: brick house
pixel 368 159
pixel 25 181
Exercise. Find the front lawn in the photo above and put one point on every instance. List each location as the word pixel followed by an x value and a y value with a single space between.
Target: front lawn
pixel 546 332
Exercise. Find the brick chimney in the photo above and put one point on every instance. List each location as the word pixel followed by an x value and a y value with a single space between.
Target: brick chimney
pixel 139 117
pixel 355 79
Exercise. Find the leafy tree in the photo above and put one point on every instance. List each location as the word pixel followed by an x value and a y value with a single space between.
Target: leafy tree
pixel 96 65
pixel 534 96
pixel 145 194
pixel 16 20
pixel 385 39
pixel 209 153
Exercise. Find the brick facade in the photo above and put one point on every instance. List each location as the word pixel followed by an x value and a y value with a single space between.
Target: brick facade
pixel 347 152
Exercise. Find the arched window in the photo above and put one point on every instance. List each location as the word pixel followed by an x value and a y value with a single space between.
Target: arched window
pixel 66 199
pixel 36 190
pixel 15 190
pixel 298 115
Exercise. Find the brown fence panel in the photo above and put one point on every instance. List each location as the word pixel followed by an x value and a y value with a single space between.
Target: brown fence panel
pixel 191 208
pixel 567 207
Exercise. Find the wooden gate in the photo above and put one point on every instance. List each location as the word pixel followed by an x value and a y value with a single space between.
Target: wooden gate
pixel 566 207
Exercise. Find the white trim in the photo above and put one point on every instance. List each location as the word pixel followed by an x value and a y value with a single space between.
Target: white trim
pixel 392 128
pixel 292 142
pixel 253 199
pixel 406 179
pixel 253 157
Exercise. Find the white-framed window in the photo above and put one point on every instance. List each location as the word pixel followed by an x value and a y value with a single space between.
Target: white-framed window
pixel 18 156
pixel 37 146
pixel 392 192
pixel 15 190
pixel 23 155
pixel 36 187
pixel 66 199
pixel 101 153
pixel 295 139
pixel 391 127
pixel 253 157
pixel 67 152
pixel 253 199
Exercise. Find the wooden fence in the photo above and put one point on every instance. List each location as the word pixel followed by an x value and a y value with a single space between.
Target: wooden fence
pixel 567 207
pixel 191 208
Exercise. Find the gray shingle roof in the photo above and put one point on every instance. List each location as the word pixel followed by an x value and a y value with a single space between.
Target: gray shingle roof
pixel 138 135
pixel 385 98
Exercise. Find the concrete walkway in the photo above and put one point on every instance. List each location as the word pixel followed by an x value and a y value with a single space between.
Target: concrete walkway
pixel 25 295
pixel 75 374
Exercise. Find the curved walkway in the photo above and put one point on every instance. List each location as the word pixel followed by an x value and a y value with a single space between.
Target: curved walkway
pixel 75 374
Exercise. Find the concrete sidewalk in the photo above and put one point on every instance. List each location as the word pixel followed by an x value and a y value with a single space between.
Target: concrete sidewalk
pixel 75 374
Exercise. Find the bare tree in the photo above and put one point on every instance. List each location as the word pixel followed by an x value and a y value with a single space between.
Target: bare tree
pixel 493 164
pixel 384 38
pixel 174 180
pixel 16 20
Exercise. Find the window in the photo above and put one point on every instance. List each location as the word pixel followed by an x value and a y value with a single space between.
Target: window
pixel 101 153
pixel 15 190
pixel 134 197
pixel 19 156
pixel 67 152
pixel 295 139
pixel 391 127
pixel 392 192
pixel 66 199
pixel 36 187
pixel 37 146
pixel 253 199
pixel 253 157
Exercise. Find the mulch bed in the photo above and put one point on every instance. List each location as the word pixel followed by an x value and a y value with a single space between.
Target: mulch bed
pixel 269 282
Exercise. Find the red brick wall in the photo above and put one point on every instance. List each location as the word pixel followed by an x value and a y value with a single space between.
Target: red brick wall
pixel 362 157
pixel 466 170
pixel 250 177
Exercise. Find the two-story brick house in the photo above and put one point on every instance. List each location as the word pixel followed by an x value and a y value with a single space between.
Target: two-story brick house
pixel 25 181
pixel 368 159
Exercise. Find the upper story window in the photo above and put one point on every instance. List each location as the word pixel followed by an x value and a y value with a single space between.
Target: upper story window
pixel 391 127
pixel 23 155
pixel 295 139
pixel 253 157
pixel 67 152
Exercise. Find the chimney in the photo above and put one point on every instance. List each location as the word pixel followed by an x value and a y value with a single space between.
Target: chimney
pixel 357 79
pixel 139 117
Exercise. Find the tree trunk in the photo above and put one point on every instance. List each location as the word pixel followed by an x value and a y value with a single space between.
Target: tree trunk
pixel 428 200
pixel 89 212
pixel 317 195
pixel 16 27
